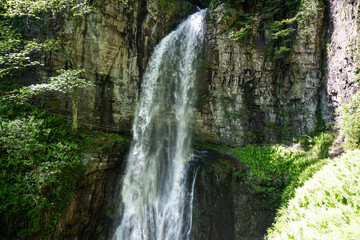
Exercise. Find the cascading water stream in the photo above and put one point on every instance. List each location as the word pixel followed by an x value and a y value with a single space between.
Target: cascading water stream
pixel 155 205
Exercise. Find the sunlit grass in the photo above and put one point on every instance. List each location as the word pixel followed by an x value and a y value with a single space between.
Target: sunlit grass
pixel 327 206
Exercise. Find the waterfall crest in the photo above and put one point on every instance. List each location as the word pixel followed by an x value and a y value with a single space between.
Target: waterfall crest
pixel 154 201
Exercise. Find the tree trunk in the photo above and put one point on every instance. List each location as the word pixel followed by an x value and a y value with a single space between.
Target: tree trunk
pixel 75 109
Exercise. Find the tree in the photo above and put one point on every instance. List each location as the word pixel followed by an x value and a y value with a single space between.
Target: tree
pixel 18 53
pixel 66 80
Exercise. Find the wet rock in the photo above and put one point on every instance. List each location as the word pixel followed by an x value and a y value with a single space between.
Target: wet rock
pixel 113 45
pixel 225 207
pixel 93 210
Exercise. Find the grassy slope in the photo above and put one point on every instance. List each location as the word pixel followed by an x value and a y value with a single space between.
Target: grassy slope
pixel 327 206
pixel 320 197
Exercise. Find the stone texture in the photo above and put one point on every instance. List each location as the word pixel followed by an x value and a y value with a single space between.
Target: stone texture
pixel 252 98
pixel 343 50
pixel 244 94
pixel 113 45
pixel 93 209
pixel 225 207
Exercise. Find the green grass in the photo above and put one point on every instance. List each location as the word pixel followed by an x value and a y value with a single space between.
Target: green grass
pixel 275 169
pixel 288 166
pixel 327 206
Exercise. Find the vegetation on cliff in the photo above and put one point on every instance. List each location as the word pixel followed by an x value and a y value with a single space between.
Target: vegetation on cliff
pixel 275 171
pixel 350 121
pixel 41 160
pixel 40 163
pixel 326 206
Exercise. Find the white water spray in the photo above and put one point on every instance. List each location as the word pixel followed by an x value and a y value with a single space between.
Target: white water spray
pixel 154 199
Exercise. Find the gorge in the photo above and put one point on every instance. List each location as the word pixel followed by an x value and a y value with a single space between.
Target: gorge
pixel 227 119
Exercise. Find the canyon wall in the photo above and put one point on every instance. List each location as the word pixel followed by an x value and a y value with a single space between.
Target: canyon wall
pixel 250 90
pixel 343 50
pixel 251 94
pixel 113 44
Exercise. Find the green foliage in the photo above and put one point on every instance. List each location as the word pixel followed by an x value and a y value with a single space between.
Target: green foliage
pixel 268 162
pixel 168 6
pixel 33 8
pixel 14 52
pixel 251 15
pixel 40 163
pixel 277 170
pixel 243 24
pixel 280 9
pixel 326 207
pixel 8 86
pixel 281 28
pixel 350 121
pixel 214 3
pixel 279 162
pixel 126 4
pixel 65 81
pixel 316 148
pixel 18 53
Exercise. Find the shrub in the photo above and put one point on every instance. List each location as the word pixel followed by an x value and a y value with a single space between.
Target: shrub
pixel 350 120
pixel 40 164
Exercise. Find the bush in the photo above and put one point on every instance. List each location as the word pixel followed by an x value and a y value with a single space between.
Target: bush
pixel 350 121
pixel 40 164
pixel 290 166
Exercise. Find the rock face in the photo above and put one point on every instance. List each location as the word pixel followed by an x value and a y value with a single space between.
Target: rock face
pixel 113 45
pixel 343 50
pixel 93 210
pixel 251 96
pixel 225 207
pixel 249 91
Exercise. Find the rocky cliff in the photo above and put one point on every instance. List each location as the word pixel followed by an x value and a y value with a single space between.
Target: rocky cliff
pixel 113 45
pixel 343 50
pixel 225 205
pixel 274 77
pixel 93 209
pixel 254 92
pixel 269 79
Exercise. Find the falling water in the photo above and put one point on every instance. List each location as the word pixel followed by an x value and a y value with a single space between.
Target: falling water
pixel 155 203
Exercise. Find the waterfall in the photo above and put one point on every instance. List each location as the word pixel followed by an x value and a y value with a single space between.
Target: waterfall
pixel 155 205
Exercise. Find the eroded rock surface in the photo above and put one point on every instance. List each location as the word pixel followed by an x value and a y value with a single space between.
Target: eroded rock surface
pixel 113 45
pixel 246 94
pixel 343 50
pixel 252 97
pixel 225 205
pixel 93 209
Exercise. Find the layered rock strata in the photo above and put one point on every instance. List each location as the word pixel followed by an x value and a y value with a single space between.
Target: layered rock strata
pixel 113 44
pixel 249 95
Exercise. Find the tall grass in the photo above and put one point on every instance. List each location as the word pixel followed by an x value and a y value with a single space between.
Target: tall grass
pixel 327 206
